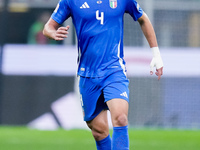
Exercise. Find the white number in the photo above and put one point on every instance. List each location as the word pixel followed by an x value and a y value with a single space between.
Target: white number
pixel 101 18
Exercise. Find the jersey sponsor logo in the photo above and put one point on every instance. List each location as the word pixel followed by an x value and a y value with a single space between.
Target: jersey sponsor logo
pixel 113 3
pixel 85 5
pixel 124 94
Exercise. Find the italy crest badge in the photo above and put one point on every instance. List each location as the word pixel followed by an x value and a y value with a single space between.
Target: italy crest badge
pixel 113 3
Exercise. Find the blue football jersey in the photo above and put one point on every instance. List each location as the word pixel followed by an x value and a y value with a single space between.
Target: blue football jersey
pixel 99 29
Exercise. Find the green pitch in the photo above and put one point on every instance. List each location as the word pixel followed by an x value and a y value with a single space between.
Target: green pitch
pixel 21 138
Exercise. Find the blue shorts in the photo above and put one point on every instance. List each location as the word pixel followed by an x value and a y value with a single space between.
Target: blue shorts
pixel 95 92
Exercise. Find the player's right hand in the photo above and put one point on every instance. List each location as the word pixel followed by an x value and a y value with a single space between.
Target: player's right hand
pixel 61 33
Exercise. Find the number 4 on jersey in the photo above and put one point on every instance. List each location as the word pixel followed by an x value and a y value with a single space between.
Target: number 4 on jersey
pixel 101 17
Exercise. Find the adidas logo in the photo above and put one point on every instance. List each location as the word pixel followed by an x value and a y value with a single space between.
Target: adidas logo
pixel 124 94
pixel 85 5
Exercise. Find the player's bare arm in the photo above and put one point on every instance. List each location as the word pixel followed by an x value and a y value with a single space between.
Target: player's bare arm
pixel 53 30
pixel 148 30
pixel 149 33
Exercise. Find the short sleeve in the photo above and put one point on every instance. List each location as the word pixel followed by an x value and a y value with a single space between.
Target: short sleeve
pixel 134 9
pixel 62 12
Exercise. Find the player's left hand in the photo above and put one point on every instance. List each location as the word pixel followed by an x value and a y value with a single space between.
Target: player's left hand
pixel 156 62
pixel 159 72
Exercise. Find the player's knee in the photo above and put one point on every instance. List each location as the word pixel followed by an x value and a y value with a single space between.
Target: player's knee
pixel 120 120
pixel 99 132
pixel 99 135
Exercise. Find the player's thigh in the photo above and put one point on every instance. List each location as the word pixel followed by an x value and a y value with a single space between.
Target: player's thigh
pixel 100 121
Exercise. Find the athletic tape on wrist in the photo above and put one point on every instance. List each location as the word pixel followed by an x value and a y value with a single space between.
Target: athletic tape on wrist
pixel 157 60
pixel 155 51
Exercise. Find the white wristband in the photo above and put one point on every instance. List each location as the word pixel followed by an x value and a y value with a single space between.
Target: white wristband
pixel 155 51
pixel 157 60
